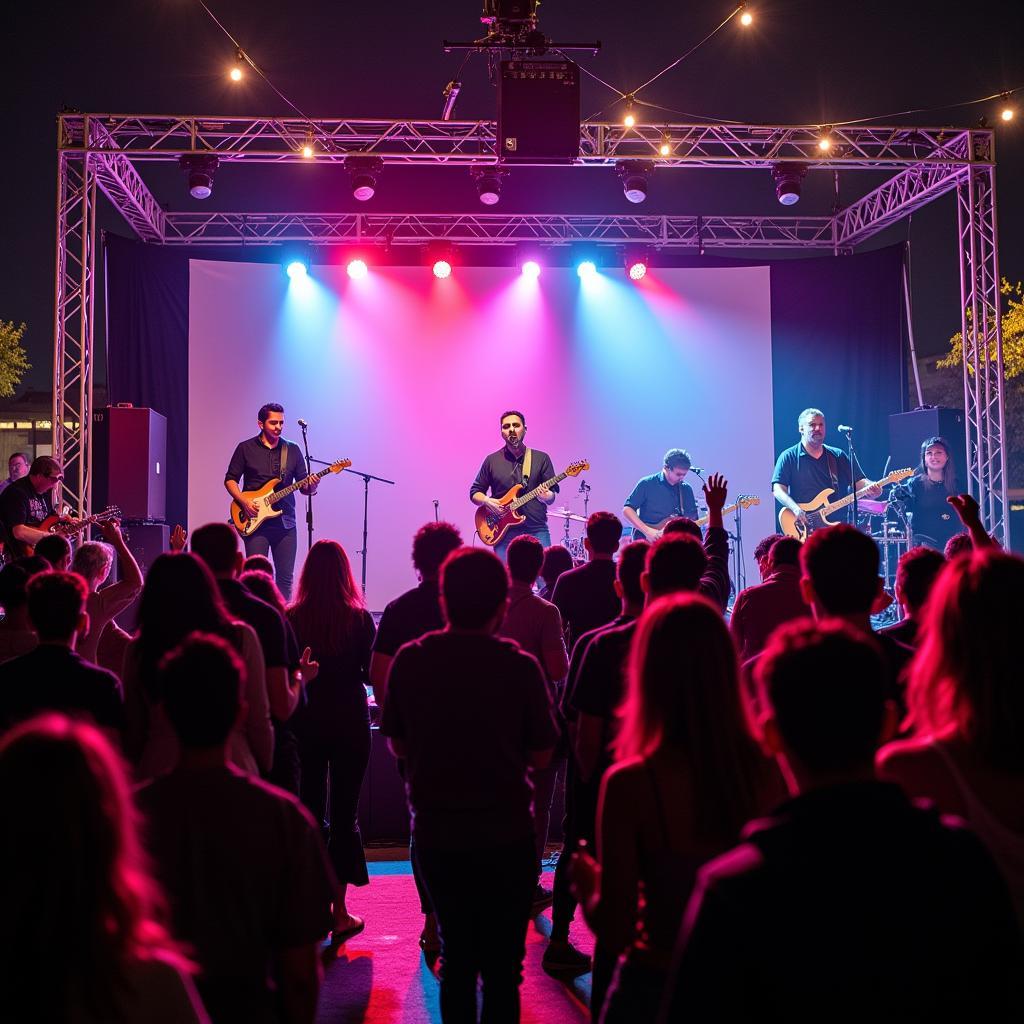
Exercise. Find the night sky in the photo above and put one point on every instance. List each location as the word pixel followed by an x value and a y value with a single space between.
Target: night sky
pixel 801 62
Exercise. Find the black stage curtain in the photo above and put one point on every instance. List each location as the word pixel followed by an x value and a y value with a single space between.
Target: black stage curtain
pixel 837 330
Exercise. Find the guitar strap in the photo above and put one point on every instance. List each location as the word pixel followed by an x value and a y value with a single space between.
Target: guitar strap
pixel 527 465
pixel 284 459
pixel 833 470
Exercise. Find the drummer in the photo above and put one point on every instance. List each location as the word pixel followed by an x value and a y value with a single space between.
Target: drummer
pixel 661 496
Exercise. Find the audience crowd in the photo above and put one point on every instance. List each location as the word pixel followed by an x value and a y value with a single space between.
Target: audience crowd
pixel 776 812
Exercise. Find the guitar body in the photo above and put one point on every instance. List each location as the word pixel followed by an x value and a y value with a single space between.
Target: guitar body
pixel 490 526
pixel 815 519
pixel 247 525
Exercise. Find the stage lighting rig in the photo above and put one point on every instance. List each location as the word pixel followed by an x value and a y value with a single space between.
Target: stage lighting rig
pixel 512 25
pixel 634 175
pixel 363 172
pixel 488 183
pixel 199 168
pixel 788 178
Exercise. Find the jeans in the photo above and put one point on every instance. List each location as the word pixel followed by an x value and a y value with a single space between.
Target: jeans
pixel 542 533
pixel 483 905
pixel 274 537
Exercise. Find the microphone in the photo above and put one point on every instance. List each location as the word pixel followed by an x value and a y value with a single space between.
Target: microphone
pixel 697 469
pixel 302 423
pixel 844 429
pixel 584 486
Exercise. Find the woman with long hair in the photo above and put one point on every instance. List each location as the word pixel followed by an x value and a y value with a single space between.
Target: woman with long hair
pixel 180 597
pixel 966 707
pixel 934 520
pixel 80 933
pixel 556 561
pixel 687 777
pixel 333 727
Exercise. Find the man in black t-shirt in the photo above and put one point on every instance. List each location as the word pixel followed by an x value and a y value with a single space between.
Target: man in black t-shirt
pixel 26 503
pixel 255 462
pixel 502 469
pixel 470 713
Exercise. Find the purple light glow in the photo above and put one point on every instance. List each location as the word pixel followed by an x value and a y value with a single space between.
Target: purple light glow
pixel 531 269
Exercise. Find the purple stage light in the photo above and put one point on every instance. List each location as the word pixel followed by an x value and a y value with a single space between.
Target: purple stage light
pixel 531 268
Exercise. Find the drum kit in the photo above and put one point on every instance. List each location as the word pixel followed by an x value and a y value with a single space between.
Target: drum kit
pixel 890 528
pixel 574 545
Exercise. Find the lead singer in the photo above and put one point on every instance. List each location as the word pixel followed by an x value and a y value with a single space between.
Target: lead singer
pixel 268 456
pixel 503 469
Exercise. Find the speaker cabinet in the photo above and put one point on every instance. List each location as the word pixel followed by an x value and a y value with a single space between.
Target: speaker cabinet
pixel 129 449
pixel 538 111
pixel 909 430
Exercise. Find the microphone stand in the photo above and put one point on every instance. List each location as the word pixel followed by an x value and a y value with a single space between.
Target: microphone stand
pixel 853 474
pixel 436 514
pixel 585 489
pixel 309 497
pixel 367 477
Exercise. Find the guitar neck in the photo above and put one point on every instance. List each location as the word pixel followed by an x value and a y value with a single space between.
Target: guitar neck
pixel 530 495
pixel 304 482
pixel 703 521
pixel 848 500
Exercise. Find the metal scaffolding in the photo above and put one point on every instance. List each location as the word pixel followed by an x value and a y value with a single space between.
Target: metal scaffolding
pixel 106 150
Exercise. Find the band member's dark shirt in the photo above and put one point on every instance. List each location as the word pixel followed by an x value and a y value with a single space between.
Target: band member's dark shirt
pixel 21 505
pixel 253 464
pixel 501 471
pixel 806 477
pixel 654 499
pixel 934 519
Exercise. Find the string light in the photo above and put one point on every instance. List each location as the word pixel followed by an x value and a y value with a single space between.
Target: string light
pixel 1007 112
pixel 665 149
pixel 236 74
pixel 307 149
pixel 746 18
pixel 824 142
pixel 630 118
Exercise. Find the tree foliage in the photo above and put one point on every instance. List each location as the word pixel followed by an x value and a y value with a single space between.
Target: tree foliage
pixel 13 358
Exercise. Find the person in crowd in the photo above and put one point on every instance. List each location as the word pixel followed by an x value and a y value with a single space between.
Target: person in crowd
pixel 959 544
pixel 247 877
pixel 535 624
pixel 258 563
pixel 82 938
pixel 764 546
pixel 180 597
pixel 762 608
pixel 17 467
pixel 560 955
pixel 52 676
pixel 557 560
pixel 16 633
pixel 916 573
pixel 56 550
pixel 848 902
pixel 687 778
pixel 585 596
pixel 333 727
pixel 468 749
pixel 408 617
pixel 966 705
pixel 93 561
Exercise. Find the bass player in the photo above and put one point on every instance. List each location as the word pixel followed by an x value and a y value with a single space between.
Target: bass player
pixel 809 467
pixel 265 457
pixel 513 464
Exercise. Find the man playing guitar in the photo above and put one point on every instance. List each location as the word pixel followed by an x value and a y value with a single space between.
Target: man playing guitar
pixel 26 503
pixel 516 464
pixel 661 496
pixel 805 470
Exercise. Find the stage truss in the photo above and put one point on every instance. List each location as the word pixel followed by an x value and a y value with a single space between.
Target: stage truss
pixel 102 152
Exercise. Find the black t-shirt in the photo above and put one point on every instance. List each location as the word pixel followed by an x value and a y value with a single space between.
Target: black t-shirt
pixel 806 477
pixel 55 678
pixel 586 598
pixel 501 471
pixel 264 618
pixel 468 709
pixel 408 617
pixel 21 505
pixel 934 520
pixel 253 463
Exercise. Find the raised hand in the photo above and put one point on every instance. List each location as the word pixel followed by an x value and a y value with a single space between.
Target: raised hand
pixel 716 490
pixel 110 531
pixel 178 538
pixel 966 508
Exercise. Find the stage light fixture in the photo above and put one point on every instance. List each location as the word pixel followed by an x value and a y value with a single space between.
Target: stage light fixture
pixel 357 269
pixel 636 261
pixel 308 150
pixel 363 172
pixel 199 169
pixel 586 269
pixel 531 269
pixel 296 269
pixel 440 257
pixel 634 175
pixel 665 149
pixel 488 184
pixel 442 269
pixel 746 18
pixel 788 178
pixel 824 143
pixel 629 118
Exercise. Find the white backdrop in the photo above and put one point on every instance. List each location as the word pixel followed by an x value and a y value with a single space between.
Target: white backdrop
pixel 408 376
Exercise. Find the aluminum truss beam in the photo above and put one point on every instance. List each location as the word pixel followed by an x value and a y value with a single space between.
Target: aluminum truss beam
pixel 983 348
pixel 281 140
pixel 666 233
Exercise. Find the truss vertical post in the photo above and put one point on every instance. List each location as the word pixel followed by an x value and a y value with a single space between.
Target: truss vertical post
pixel 73 322
pixel 982 331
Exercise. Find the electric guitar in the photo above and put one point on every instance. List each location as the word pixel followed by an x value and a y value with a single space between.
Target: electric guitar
pixel 819 508
pixel 492 524
pixel 266 497
pixel 744 501
pixel 62 526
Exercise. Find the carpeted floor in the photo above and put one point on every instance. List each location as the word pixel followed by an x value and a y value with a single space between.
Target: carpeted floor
pixel 380 976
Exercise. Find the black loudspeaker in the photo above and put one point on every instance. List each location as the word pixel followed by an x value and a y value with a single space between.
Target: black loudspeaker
pixel 908 430
pixel 129 468
pixel 145 541
pixel 538 111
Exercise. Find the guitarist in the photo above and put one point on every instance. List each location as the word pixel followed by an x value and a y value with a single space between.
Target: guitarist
pixel 268 456
pixel 28 501
pixel 661 496
pixel 508 466
pixel 805 470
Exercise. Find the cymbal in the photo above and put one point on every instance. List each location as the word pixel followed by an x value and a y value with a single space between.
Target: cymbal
pixel 564 513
